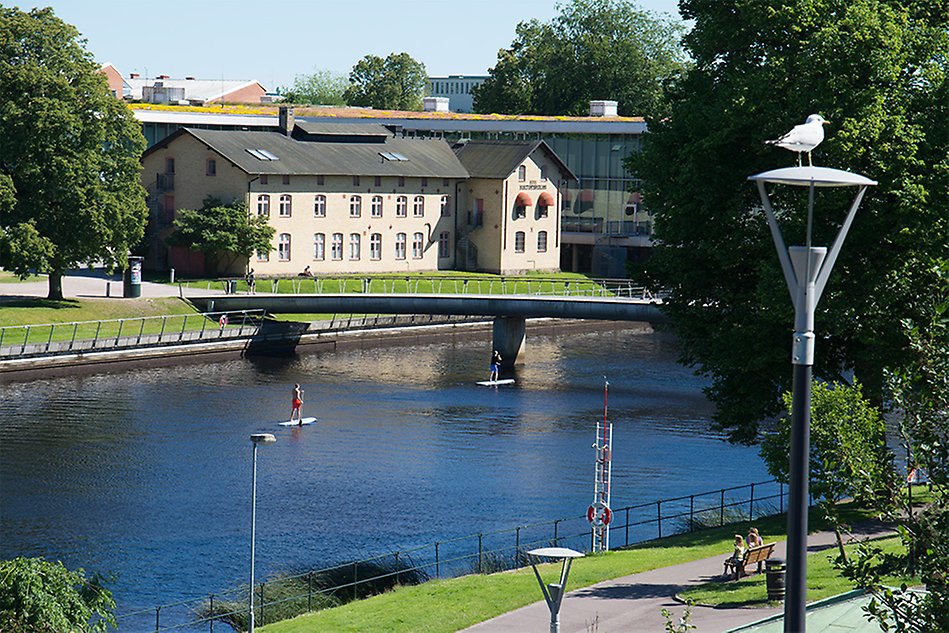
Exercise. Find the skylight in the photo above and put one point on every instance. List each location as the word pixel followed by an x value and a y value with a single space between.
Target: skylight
pixel 262 154
pixel 393 156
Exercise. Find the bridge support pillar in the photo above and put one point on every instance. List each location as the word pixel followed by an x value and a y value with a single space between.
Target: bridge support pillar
pixel 509 337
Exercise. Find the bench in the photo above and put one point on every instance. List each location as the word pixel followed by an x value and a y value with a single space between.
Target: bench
pixel 753 555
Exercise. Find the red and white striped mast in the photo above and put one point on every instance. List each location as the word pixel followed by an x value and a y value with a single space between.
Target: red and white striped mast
pixel 599 513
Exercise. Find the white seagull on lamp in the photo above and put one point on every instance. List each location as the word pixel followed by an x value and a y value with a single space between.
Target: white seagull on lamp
pixel 803 138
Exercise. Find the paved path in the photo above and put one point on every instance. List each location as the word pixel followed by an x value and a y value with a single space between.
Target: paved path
pixel 96 283
pixel 633 603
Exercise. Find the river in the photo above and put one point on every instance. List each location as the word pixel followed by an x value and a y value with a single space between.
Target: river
pixel 145 475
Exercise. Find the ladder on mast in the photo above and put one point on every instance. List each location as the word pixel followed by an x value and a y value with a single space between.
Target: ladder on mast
pixel 599 513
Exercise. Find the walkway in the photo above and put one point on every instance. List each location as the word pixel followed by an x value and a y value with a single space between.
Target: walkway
pixel 85 284
pixel 633 603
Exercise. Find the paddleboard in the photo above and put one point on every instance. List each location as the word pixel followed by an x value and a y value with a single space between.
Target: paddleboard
pixel 297 422
pixel 494 383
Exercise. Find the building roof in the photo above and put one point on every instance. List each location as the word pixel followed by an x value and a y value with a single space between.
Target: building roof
pixel 195 89
pixel 498 159
pixel 250 152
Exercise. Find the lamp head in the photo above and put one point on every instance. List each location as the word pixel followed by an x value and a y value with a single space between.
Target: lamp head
pixel 262 438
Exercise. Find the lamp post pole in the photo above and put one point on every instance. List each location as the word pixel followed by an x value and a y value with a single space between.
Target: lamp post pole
pixel 257 438
pixel 806 270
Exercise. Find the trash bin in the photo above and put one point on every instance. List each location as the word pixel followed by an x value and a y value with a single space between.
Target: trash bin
pixel 774 569
pixel 132 282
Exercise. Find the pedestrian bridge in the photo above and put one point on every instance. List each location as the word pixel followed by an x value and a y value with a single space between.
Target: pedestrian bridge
pixel 617 303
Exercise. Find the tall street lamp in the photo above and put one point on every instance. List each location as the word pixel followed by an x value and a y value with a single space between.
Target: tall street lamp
pixel 256 438
pixel 806 269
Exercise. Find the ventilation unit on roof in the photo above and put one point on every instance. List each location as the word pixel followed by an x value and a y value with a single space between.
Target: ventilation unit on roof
pixel 262 154
pixel 393 156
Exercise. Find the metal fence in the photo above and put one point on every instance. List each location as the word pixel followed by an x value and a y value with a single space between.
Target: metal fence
pixel 482 552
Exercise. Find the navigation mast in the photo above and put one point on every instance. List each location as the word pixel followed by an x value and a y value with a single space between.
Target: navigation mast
pixel 599 513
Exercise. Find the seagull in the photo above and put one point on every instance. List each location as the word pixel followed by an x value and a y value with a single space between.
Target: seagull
pixel 803 138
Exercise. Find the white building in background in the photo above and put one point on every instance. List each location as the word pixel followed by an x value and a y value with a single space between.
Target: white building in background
pixel 458 89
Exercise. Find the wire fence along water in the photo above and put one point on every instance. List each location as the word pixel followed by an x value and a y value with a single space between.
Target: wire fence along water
pixel 51 339
pixel 483 552
pixel 438 284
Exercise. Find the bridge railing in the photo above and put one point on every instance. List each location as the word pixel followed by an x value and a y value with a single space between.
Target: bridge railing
pixel 51 339
pixel 443 284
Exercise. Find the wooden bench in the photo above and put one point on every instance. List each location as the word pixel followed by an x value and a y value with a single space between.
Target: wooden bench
pixel 753 555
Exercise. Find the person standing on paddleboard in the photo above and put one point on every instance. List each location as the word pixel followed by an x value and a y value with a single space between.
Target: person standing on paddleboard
pixel 495 365
pixel 297 403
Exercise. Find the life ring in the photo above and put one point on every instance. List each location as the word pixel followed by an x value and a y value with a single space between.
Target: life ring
pixel 599 514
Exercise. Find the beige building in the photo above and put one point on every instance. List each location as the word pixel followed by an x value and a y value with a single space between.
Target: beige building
pixel 355 198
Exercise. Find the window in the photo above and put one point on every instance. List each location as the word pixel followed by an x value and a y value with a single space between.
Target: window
pixel 543 172
pixel 319 180
pixel 542 241
pixel 355 206
pixel 286 206
pixel 400 245
pixel 336 248
pixel 479 212
pixel 286 179
pixel 424 182
pixel 354 246
pixel 355 181
pixel 445 209
pixel 169 165
pixel 520 211
pixel 319 206
pixel 522 173
pixel 417 246
pixel 401 181
pixel 263 256
pixel 445 182
pixel 418 207
pixel 444 250
pixel 519 242
pixel 401 206
pixel 375 246
pixel 377 182
pixel 376 210
pixel 263 204
pixel 263 179
pixel 319 246
pixel 210 167
pixel 283 247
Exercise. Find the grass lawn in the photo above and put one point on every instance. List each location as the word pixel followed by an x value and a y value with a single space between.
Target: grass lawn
pixel 6 277
pixel 443 606
pixel 823 581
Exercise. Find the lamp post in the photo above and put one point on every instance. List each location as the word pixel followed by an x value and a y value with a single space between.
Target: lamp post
pixel 806 270
pixel 256 438
pixel 553 593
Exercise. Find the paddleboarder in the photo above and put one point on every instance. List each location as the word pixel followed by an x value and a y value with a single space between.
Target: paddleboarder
pixel 495 365
pixel 297 404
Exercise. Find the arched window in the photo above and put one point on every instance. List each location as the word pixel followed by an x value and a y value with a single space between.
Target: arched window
pixel 418 246
pixel 542 241
pixel 354 246
pixel 319 246
pixel 286 206
pixel 444 244
pixel 519 242
pixel 401 206
pixel 336 247
pixel 355 206
pixel 375 246
pixel 319 206
pixel 376 210
pixel 445 208
pixel 522 173
pixel 283 247
pixel 263 204
pixel 400 245
pixel 418 207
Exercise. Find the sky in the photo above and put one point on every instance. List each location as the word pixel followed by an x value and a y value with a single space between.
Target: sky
pixel 272 41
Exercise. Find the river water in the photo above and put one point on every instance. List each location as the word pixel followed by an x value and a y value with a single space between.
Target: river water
pixel 145 475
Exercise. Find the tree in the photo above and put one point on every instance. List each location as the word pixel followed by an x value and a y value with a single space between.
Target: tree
pixel 848 454
pixel 70 151
pixel 323 87
pixel 40 596
pixel 877 70
pixel 222 231
pixel 397 82
pixel 594 49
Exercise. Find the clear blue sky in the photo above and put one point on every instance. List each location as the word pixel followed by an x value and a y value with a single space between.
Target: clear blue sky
pixel 272 41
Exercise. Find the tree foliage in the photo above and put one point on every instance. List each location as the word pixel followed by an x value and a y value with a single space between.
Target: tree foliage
pixel 69 150
pixel 323 87
pixel 877 69
pixel 594 49
pixel 38 596
pixel 223 232
pixel 397 82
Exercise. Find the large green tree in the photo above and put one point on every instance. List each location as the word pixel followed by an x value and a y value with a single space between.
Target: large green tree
pixel 876 69
pixel 223 232
pixel 39 596
pixel 322 87
pixel 595 49
pixel 397 82
pixel 69 150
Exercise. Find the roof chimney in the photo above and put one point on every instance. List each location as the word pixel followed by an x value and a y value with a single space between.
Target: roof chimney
pixel 189 78
pixel 133 75
pixel 602 108
pixel 163 77
pixel 285 120
pixel 435 104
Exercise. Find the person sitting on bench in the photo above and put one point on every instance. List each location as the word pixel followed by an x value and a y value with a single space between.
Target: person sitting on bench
pixel 737 555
